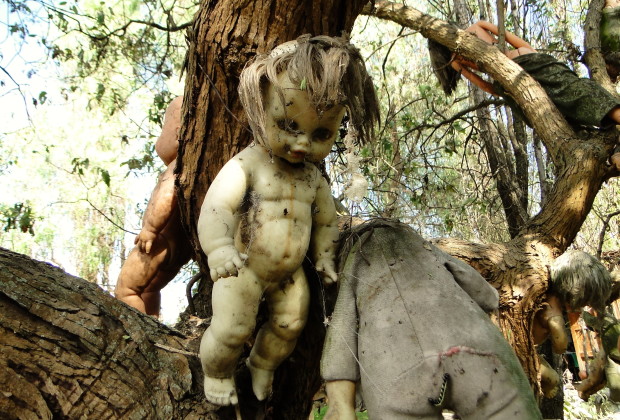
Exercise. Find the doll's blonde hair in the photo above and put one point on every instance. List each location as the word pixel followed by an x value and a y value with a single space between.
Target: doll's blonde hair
pixel 330 69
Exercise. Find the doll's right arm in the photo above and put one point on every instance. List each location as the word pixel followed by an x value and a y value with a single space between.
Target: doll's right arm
pixel 219 218
pixel 462 67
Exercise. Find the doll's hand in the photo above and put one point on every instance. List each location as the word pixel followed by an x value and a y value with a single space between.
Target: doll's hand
pixel 144 240
pixel 325 268
pixel 225 261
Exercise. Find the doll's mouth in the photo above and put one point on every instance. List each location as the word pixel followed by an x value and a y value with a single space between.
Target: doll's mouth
pixel 299 155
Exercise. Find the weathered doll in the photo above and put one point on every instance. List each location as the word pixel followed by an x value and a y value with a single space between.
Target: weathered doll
pixel 410 326
pixel 162 247
pixel 603 369
pixel 576 279
pixel 582 101
pixel 269 205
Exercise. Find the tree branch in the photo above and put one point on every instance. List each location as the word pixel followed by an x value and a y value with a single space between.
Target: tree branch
pixel 593 57
pixel 545 117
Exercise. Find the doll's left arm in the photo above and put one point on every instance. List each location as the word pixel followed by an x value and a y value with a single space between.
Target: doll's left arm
pixel 324 233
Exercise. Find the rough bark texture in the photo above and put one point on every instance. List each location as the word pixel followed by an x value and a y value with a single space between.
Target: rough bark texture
pixel 70 350
pixel 594 57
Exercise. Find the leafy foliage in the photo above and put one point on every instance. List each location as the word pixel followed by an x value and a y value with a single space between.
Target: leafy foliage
pixel 19 216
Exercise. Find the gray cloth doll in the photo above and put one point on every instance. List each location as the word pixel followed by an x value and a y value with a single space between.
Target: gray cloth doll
pixel 410 325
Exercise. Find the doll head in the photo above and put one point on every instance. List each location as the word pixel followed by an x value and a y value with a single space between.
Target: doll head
pixel 294 129
pixel 311 81
pixel 579 280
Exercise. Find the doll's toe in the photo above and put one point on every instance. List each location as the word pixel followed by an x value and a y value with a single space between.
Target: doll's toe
pixel 220 391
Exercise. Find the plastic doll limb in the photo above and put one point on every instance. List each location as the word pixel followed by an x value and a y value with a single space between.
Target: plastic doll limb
pixel 557 334
pixel 225 261
pixel 220 391
pixel 549 379
pixel 596 377
pixel 483 30
pixel 235 305
pixel 327 270
pixel 288 312
pixel 218 220
pixel 162 207
pixel 549 322
pixel 341 400
pixel 325 233
pixel 144 275
pixel 462 67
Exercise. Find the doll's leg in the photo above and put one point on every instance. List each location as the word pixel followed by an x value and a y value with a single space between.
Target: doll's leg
pixel 481 386
pixel 235 305
pixel 288 311
pixel 179 254
pixel 139 271
pixel 144 275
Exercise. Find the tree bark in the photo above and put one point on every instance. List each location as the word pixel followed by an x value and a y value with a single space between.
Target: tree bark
pixel 225 35
pixel 70 350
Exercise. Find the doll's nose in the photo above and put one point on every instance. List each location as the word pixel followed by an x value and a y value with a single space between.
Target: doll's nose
pixel 303 140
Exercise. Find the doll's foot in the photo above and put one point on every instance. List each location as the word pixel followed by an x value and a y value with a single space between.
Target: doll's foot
pixel 220 391
pixel 262 380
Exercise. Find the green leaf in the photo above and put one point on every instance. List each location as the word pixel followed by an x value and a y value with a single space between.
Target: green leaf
pixel 105 175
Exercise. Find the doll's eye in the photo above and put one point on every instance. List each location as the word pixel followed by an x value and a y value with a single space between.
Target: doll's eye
pixel 287 125
pixel 322 134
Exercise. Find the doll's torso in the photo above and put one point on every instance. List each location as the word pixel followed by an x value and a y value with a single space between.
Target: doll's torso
pixel 276 223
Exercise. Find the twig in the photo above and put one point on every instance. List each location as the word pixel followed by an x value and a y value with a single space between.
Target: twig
pixel 601 236
pixel 188 292
pixel 173 350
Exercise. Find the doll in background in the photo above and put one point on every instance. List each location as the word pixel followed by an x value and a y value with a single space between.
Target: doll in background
pixel 581 101
pixel 162 247
pixel 576 280
pixel 270 205
pixel 411 333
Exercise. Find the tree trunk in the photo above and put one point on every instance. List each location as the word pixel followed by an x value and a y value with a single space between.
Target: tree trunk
pixel 518 269
pixel 70 350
